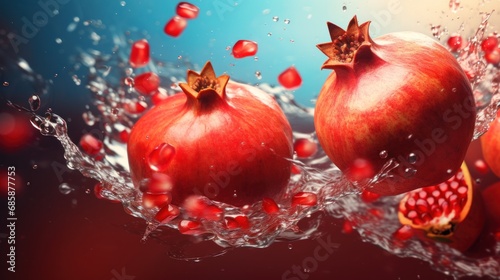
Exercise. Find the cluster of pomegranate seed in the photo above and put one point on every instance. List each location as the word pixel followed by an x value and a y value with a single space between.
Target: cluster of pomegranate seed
pixel 442 201
pixel 184 12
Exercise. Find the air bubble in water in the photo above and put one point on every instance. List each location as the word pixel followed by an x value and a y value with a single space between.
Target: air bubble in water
pixel 34 102
pixel 412 158
pixel 383 154
pixel 65 189
pixel 258 75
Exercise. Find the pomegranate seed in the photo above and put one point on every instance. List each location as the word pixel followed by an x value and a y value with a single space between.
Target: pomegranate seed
pixel 305 148
pixel 160 157
pixel 422 194
pixel 304 199
pixel 231 223
pixel 139 55
pixel 436 212
pixel 347 227
pixel 90 145
pixel 410 203
pixel 369 197
pixel 212 213
pixel 155 200
pixel 489 44
pixel 360 169
pixel 412 214
pixel 159 96
pixel 244 48
pixel 124 135
pixel 436 193
pixel 167 213
pixel 195 206
pixel 243 221
pixel 175 26
pixel 422 205
pixel 455 42
pixel 187 10
pixel 376 212
pixel 404 233
pixel 290 78
pixel 159 183
pixel 295 169
pixel 146 83
pixel 269 206
pixel 97 190
pixel 189 227
pixel 493 57
pixel 135 107
pixel 481 166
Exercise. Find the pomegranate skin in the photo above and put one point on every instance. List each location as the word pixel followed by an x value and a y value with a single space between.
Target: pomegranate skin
pixel 402 93
pixel 490 143
pixel 234 149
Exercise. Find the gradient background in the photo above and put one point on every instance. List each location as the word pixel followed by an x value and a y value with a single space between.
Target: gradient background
pixel 77 236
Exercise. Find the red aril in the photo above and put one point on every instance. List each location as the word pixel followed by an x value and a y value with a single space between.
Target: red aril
pixel 455 42
pixel 90 145
pixel 167 213
pixel 211 142
pixel 159 96
pixel 489 44
pixel 269 206
pixel 369 197
pixel 493 57
pixel 159 183
pixel 175 26
pixel 187 10
pixel 490 143
pixel 404 233
pixel 135 106
pixel 124 134
pixel 304 199
pixel 16 131
pixel 242 221
pixel 290 78
pixel 244 48
pixel 139 54
pixel 347 227
pixel 305 148
pixel 451 211
pixel 155 200
pixel 146 83
pixel 190 227
pixel 402 93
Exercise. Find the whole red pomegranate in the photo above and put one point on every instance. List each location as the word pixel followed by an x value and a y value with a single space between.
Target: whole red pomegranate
pixel 402 96
pixel 490 143
pixel 227 141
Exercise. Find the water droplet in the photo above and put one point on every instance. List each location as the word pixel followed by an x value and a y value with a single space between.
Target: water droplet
pixel 275 18
pixel 454 89
pixel 412 158
pixel 258 75
pixel 290 246
pixel 383 154
pixel 409 172
pixel 410 136
pixel 344 7
pixel 65 189
pixel 449 171
pixel 287 21
pixel 123 3
pixel 58 40
pixel 34 166
pixel 160 157
pixel 269 34
pixel 76 80
pixel 129 81
pixel 5 84
pixel 89 118
pixel 179 57
pixel 87 191
pixel 256 58
pixel 34 102
pixel 454 5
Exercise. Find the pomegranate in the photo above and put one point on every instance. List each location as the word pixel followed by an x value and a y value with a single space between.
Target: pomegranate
pixel 224 140
pixel 491 197
pixel 401 96
pixel 490 143
pixel 451 211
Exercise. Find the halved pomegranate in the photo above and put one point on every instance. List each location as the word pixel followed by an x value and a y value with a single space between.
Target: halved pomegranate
pixel 450 212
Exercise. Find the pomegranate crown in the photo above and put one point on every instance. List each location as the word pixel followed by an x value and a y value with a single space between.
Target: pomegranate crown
pixel 345 43
pixel 205 83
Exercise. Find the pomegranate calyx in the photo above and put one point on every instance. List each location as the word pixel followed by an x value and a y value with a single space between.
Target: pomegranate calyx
pixel 345 44
pixel 205 85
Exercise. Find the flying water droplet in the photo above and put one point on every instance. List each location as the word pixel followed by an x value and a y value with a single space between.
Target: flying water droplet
pixel 275 18
pixel 287 21
pixel 258 75
pixel 65 189
pixel 5 84
pixel 383 154
pixel 344 7
pixel 412 158
pixel 58 40
pixel 34 102
pixel 409 172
